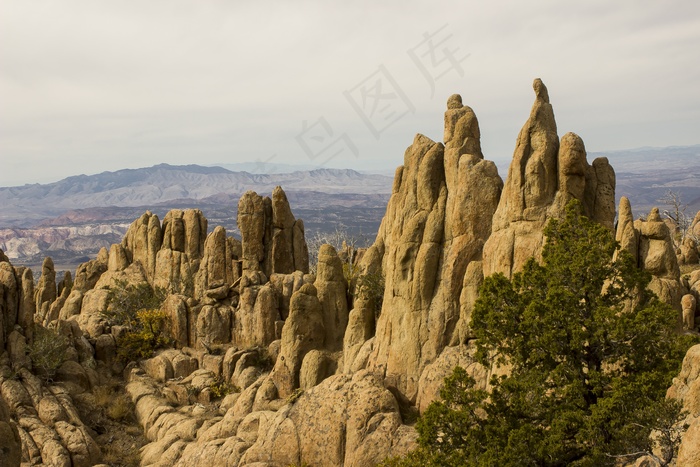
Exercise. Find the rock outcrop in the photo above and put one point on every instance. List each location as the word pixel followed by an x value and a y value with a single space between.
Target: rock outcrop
pixel 270 365
pixel 650 244
pixel 437 221
pixel 686 388
pixel 543 176
pixel 272 239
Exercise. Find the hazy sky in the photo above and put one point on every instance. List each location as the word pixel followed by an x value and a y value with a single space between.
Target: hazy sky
pixel 88 86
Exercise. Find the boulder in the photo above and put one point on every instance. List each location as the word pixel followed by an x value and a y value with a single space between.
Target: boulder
pixel 331 288
pixel 303 331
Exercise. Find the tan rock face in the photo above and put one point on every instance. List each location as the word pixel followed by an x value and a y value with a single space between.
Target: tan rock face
pixel 217 267
pixel 437 221
pixel 142 242
pixel 543 176
pixel 46 292
pixel 650 244
pixel 272 240
pixel 303 331
pixel 686 388
pixel 332 293
pixel 11 451
pixel 346 420
pixel 9 297
pixel 688 304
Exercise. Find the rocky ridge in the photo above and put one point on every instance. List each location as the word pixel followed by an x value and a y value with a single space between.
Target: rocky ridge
pixel 320 369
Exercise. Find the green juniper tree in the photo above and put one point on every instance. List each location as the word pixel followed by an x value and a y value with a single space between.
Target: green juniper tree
pixel 590 353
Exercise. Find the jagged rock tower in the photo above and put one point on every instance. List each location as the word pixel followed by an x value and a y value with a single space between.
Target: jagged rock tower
pixel 451 221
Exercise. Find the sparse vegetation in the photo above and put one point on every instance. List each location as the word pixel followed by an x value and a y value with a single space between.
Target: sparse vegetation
pixel 47 351
pixel 294 396
pixel 136 306
pixel 146 335
pixel 220 388
pixel 345 243
pixel 371 286
pixel 125 300
pixel 675 211
pixel 120 408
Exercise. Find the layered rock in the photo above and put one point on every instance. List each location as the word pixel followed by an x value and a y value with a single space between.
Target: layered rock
pixel 219 267
pixel 331 288
pixel 303 331
pixel 46 289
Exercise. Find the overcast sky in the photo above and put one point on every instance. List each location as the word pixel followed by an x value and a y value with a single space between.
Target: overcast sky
pixel 88 86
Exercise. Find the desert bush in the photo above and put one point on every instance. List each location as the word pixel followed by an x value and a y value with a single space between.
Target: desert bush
pixel 121 408
pixel 221 388
pixel 125 300
pixel 146 335
pixel 47 351
pixel 103 395
pixel 340 239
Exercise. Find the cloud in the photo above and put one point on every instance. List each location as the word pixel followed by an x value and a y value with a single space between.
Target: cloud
pixel 92 86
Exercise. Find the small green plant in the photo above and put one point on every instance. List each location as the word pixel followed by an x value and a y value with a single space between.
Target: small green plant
pixel 293 397
pixel 221 388
pixel 125 300
pixel 145 337
pixel 47 351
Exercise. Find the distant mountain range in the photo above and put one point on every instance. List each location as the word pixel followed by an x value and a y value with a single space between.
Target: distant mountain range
pixel 644 175
pixel 72 218
pixel 28 205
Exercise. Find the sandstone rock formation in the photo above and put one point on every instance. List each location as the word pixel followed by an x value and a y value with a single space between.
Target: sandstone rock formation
pixel 272 366
pixel 649 242
pixel 437 220
pixel 543 176
pixel 272 239
pixel 686 388
pixel 142 242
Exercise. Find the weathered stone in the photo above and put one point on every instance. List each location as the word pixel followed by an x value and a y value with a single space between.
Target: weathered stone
pixel 214 325
pixel 11 451
pixel 543 176
pixel 345 420
pixel 216 268
pixel 331 288
pixel 46 288
pixel 118 260
pixel 686 388
pixel 142 242
pixel 688 304
pixel 303 331
pixel 437 221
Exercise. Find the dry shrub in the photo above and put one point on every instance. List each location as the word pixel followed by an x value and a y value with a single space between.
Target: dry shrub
pixel 121 408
